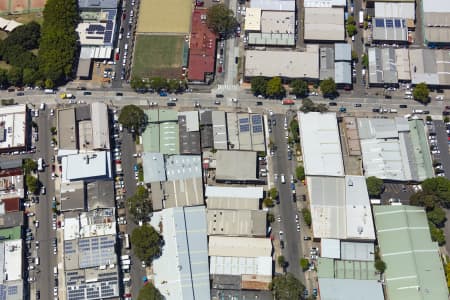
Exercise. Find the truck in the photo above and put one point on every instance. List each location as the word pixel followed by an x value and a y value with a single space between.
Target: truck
pixel 40 164
pixel 361 18
pixel 49 91
pixel 288 102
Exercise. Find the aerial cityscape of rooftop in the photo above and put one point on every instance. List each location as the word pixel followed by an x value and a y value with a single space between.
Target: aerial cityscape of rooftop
pixel 224 149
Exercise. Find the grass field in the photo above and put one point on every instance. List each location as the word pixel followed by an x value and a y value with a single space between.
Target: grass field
pixel 156 55
pixel 169 16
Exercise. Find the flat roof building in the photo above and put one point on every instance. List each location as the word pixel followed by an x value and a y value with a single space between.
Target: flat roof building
pixel 274 28
pixel 239 246
pixel 92 284
pixel 321 146
pixel 90 165
pixel 401 10
pixel 189 132
pixel 395 149
pixel 382 66
pixel 100 126
pixel 72 195
pixel 436 21
pixel 202 49
pixel 274 5
pixel 67 132
pixel 346 269
pixel 253 19
pixel 246 131
pixel 431 66
pixel 11 263
pixel 413 265
pixel 340 208
pixel 233 166
pixel 387 30
pixel 402 64
pixel 182 271
pixel 13 127
pixel 324 24
pixel 100 194
pixel 183 192
pixel 240 198
pixel 343 289
pixel 233 222
pixel 154 167
pixel 219 127
pixel 286 64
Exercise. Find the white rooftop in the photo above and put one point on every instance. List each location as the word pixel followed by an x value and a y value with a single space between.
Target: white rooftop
pixel 340 208
pixel 71 228
pixel 13 126
pixel 228 265
pixel 324 3
pixel 324 24
pixel 286 5
pixel 248 192
pixel 321 144
pixel 13 260
pixel 239 246
pixel 403 10
pixel 252 19
pixel 86 165
pixel 439 6
pixel 344 289
pixel 330 248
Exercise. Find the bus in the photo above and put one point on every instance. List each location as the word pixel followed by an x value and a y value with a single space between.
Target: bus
pixel 127 241
pixel 40 164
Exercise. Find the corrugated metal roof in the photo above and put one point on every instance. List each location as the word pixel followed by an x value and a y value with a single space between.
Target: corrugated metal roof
pixel 343 72
pixel 100 126
pixel 286 5
pixel 395 10
pixel 344 289
pixel 153 166
pixel 330 248
pixel 357 251
pixel 239 246
pixel 228 265
pixel 414 268
pixel 342 52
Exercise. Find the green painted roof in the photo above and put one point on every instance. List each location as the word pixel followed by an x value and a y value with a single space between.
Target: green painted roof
pixel 13 233
pixel 414 269
pixel 166 115
pixel 150 138
pixel 152 115
pixel 169 138
pixel 346 269
pixel 421 151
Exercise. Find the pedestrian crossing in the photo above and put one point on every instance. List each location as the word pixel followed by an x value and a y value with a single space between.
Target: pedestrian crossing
pixel 228 87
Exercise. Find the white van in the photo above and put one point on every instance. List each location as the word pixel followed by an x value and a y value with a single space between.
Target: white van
pixel 417 111
pixel 283 179
pixel 36 261
pixel 126 47
pixel 42 107
pixel 124 257
pixel 55 271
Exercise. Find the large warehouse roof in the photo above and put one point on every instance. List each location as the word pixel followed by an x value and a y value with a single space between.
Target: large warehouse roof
pixel 290 64
pixel 321 144
pixel 235 165
pixel 234 222
pixel 324 24
pixel 239 246
pixel 276 5
pixel 395 10
pixel 344 289
pixel 220 197
pixel 431 66
pixel 414 268
pixel 100 126
pixel 340 207
pixel 13 123
pixel 389 29
pixel 182 271
pixel 228 265
pixel 382 67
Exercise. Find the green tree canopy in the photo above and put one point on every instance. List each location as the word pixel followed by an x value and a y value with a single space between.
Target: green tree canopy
pixel 146 243
pixel 309 106
pixel 258 85
pixel 437 234
pixel 328 87
pixel 158 83
pixel 380 265
pixel 307 216
pixel 351 20
pixel 354 55
pixel 365 61
pixel 32 183
pixel 299 88
pixel 29 165
pixel 268 202
pixel 139 205
pixel 429 201
pixel 173 85
pixel 439 187
pixel 300 172
pixel 421 93
pixel 275 88
pixel 351 29
pixel 304 263
pixel 293 126
pixel 281 261
pixel 137 83
pixel 221 20
pixel 436 216
pixel 374 186
pixel 273 192
pixel 149 292
pixel 132 117
pixel 286 287
pixel 26 36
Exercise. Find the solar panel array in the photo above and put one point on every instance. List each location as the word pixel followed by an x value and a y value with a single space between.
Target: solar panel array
pixel 108 36
pixel 96 251
pixel 244 128
pixel 109 25
pixel 379 22
pixel 105 287
pixel 257 128
pixel 390 23
pixel 2 292
pixel 256 120
pixel 12 290
pixel 68 248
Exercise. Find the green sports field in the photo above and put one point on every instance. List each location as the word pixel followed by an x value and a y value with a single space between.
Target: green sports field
pixel 157 55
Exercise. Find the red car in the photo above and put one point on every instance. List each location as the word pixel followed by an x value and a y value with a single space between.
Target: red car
pixel 117 56
pixel 124 16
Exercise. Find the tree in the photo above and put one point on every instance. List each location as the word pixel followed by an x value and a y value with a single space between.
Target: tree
pixel 221 20
pixel 421 93
pixel 258 85
pixel 281 261
pixel 173 85
pixel 309 106
pixel 270 218
pixel 380 265
pixel 299 88
pixel 365 61
pixel 293 128
pixel 300 173
pixel 304 263
pixel 351 29
pixel 149 292
pixel 423 199
pixel 351 20
pixel 273 192
pixel 437 216
pixel 286 287
pixel 374 186
pixel 32 183
pixel 158 83
pixel 132 117
pixel 139 205
pixel 15 76
pixel 354 55
pixel 328 87
pixel 29 165
pixel 49 84
pixel 268 202
pixel 275 88
pixel 27 36
pixel 58 42
pixel 146 243
pixel 440 188
pixel 53 130
pixel 437 234
pixel 137 83
pixel 307 216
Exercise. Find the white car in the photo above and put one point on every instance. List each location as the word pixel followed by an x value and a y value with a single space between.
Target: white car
pixel 36 224
pixel 55 291
pixel 439 97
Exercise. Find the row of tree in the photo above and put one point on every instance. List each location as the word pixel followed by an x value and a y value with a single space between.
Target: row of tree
pixel 158 84
pixel 140 205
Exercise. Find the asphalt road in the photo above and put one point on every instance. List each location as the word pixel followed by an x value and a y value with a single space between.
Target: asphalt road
pixel 128 149
pixel 287 208
pixel 45 233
